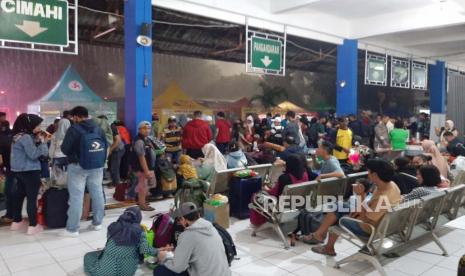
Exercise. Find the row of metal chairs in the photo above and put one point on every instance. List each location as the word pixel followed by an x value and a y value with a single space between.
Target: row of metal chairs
pixel 406 222
pixel 277 219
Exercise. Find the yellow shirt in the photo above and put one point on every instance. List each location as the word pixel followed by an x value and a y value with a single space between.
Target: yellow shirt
pixel 343 139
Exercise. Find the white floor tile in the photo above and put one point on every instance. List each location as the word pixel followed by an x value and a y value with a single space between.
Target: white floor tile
pixel 54 242
pixel 410 265
pixel 22 249
pixel 317 269
pixel 261 268
pixel 435 271
pixel 243 259
pixel 65 253
pixel 449 262
pixel 97 244
pixel 48 270
pixel 74 266
pixel 287 260
pixel 3 268
pixel 29 261
pixel 389 272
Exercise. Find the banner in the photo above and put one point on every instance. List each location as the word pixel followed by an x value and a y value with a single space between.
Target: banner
pixel 400 72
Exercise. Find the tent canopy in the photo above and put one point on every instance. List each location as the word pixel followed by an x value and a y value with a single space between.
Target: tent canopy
pixel 176 99
pixel 287 106
pixel 71 88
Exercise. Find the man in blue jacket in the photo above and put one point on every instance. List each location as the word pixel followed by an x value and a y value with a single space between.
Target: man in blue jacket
pixel 85 169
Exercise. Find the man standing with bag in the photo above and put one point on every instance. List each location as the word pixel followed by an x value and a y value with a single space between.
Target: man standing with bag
pixel 86 147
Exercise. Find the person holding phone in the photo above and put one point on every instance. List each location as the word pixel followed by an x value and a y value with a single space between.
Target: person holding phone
pixel 29 144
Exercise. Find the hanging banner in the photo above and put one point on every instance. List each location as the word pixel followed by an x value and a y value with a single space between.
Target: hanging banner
pixel 375 69
pixel 419 76
pixel 400 72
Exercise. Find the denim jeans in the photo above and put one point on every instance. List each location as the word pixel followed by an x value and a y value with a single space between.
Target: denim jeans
pixel 115 164
pixel 78 180
pixel 174 156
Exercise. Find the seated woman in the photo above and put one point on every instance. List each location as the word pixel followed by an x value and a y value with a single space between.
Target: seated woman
pixel 296 172
pixel 420 160
pixel 437 160
pixel 126 242
pixel 236 157
pixel 405 175
pixel 212 163
pixel 430 181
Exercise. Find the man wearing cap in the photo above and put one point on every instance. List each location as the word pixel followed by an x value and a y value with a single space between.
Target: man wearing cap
pixel 144 164
pixel 200 249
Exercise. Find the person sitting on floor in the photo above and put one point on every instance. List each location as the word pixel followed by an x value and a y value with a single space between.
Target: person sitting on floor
pixel 386 196
pixel 200 250
pixel 126 242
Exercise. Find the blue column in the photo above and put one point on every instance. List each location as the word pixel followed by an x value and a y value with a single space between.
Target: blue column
pixel 347 74
pixel 437 87
pixel 137 65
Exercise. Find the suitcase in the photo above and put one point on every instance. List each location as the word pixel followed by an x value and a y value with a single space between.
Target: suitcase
pixel 56 207
pixel 241 191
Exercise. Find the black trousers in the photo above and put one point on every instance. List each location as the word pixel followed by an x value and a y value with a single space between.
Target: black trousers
pixel 195 153
pixel 28 185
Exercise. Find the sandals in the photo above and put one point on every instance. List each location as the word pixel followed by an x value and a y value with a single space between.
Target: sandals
pixel 322 250
pixel 310 239
pixel 146 208
pixel 293 239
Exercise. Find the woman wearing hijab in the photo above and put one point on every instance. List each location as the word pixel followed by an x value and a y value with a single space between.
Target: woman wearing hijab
pixel 29 144
pixel 436 157
pixel 296 172
pixel 213 162
pixel 126 242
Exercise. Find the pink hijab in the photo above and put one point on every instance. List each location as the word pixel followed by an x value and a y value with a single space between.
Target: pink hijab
pixel 437 159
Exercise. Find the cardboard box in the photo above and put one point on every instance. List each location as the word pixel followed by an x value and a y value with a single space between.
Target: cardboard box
pixel 218 214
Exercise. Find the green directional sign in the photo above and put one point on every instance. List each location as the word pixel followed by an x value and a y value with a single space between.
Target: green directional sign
pixel 34 21
pixel 266 53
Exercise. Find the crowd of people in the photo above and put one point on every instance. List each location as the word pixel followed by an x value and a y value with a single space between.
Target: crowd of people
pixel 199 147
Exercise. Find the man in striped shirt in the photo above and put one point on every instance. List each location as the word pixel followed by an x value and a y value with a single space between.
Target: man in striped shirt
pixel 172 136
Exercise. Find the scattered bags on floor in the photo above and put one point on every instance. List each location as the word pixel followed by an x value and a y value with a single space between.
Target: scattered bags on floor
pixel 120 192
pixel 192 190
pixel 309 222
pixel 229 246
pixel 167 176
pixel 163 227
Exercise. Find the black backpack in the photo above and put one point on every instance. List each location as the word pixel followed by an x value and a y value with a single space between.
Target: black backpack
pixel 229 247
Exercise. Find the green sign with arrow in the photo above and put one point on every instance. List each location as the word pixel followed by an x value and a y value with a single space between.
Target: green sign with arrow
pixel 266 53
pixel 34 21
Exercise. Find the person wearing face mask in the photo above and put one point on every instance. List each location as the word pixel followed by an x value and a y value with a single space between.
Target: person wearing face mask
pixel 200 250
pixel 29 144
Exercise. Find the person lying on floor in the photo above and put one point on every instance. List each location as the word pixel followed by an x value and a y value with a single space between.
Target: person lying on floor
pixel 126 243
pixel 385 196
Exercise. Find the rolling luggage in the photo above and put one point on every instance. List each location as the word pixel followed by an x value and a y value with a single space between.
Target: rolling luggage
pixel 241 191
pixel 56 207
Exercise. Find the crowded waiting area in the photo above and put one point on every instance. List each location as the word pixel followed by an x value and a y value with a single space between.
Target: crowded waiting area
pixel 232 138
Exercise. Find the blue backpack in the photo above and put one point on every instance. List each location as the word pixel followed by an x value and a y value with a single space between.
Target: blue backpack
pixel 93 148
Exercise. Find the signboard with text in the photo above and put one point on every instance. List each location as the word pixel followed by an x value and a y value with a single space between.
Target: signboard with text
pixel 266 53
pixel 43 22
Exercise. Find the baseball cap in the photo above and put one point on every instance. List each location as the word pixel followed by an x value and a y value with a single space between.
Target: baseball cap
pixel 185 209
pixel 144 124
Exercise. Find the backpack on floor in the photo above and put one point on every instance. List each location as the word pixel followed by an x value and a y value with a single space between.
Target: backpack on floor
pixel 229 246
pixel 93 148
pixel 167 175
pixel 309 222
pixel 163 227
pixel 192 190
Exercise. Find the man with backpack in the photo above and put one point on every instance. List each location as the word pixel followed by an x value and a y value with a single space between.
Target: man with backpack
pixel 86 147
pixel 200 250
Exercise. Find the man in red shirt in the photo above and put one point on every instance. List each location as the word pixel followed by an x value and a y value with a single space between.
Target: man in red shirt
pixel 223 132
pixel 197 133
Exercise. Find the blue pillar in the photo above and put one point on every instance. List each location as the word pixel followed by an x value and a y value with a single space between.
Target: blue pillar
pixel 437 87
pixel 137 64
pixel 347 74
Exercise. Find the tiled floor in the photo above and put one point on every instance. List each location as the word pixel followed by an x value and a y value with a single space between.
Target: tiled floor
pixel 48 254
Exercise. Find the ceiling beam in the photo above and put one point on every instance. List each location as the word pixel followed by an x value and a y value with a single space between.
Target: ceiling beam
pixel 435 40
pixel 279 6
pixel 415 19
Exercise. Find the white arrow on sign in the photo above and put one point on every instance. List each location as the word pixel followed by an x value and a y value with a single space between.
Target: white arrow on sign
pixel 31 28
pixel 266 61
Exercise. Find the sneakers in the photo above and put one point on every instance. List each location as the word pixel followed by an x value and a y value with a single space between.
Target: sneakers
pixel 33 230
pixel 146 207
pixel 68 234
pixel 16 226
pixel 95 227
